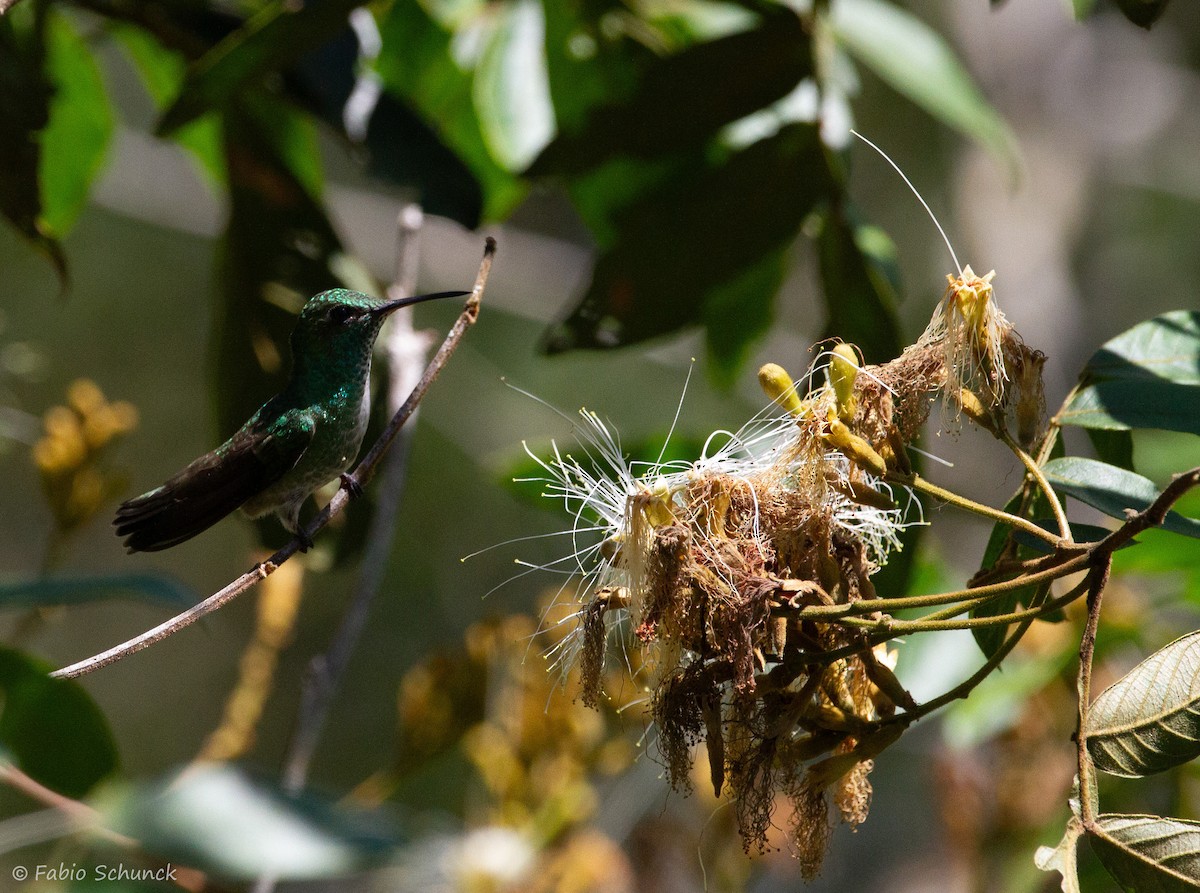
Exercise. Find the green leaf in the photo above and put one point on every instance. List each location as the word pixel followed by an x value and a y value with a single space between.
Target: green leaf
pixel 25 94
pixel 857 264
pixel 738 313
pixel 990 638
pixel 511 90
pixel 1142 12
pixel 50 591
pixel 270 40
pixel 51 728
pixel 1149 720
pixel 1125 404
pixel 912 58
pixel 670 111
pixel 162 71
pixel 687 238
pixel 418 65
pixel 1112 490
pixel 1113 447
pixel 1148 853
pixel 1165 347
pixel 217 818
pixel 1081 9
pixel 77 135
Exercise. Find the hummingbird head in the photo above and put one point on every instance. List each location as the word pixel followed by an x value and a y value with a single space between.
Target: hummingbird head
pixel 341 321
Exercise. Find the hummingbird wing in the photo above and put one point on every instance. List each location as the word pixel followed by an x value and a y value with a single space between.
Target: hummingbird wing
pixel 215 484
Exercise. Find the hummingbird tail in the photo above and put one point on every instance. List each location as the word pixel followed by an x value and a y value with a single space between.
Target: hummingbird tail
pixel 193 500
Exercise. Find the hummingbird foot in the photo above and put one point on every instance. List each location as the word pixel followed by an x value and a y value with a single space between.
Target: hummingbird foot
pixel 352 486
pixel 306 541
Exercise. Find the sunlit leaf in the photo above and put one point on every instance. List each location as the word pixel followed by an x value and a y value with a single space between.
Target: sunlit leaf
pixel 217 818
pixel 669 111
pixel 512 94
pixel 76 137
pixel 915 60
pixel 47 591
pixel 51 728
pixel 1148 853
pixel 1122 405
pixel 419 66
pixel 1165 347
pixel 1112 490
pixel 1149 719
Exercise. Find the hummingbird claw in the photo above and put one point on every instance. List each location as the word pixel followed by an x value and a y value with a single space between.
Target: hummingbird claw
pixel 354 487
pixel 306 541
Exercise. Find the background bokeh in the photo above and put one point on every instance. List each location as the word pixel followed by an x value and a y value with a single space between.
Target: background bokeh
pixel 1096 231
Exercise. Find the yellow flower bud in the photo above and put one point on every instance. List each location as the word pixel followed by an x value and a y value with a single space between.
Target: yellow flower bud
pixel 779 386
pixel 843 371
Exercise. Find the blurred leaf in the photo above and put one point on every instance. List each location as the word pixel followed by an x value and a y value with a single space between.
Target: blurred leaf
pixel 691 236
pixel 162 71
pixel 1149 720
pixel 1125 404
pixel 858 263
pixel 1062 858
pixel 418 65
pixel 738 313
pixel 1112 490
pixel 51 728
pixel 511 91
pixel 25 95
pixel 48 591
pixel 77 135
pixel 671 110
pixel 1113 447
pixel 1149 853
pixel 218 819
pixel 587 64
pixel 915 60
pixel 1081 9
pixel 1165 347
pixel 1142 12
pixel 270 40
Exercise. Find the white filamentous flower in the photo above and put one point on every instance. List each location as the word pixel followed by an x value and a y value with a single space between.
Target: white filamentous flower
pixel 610 499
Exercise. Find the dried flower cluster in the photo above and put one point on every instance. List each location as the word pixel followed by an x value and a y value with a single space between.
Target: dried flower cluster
pixel 711 561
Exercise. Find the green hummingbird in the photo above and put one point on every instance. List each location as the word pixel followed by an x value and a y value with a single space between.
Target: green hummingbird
pixel 299 440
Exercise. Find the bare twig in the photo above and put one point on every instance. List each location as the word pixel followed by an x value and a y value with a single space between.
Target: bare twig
pixel 362 474
pixel 325 671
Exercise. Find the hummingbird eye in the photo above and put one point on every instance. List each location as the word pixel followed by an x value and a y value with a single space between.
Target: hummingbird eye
pixel 340 314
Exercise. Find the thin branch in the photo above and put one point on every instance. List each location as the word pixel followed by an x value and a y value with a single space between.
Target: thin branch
pixel 325 671
pixel 362 474
pixel 917 482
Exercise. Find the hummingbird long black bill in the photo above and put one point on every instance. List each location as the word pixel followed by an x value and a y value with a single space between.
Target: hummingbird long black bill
pixel 416 299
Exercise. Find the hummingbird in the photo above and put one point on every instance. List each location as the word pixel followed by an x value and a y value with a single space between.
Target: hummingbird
pixel 306 435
